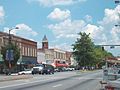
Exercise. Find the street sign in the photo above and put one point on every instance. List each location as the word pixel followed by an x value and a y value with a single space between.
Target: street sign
pixel 9 55
pixel 112 47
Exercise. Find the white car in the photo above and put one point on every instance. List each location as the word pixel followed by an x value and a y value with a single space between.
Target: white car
pixel 113 85
pixel 26 71
pixel 70 69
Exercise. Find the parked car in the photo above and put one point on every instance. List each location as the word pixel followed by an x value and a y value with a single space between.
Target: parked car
pixel 48 69
pixel 56 70
pixel 26 71
pixel 113 85
pixel 37 69
pixel 70 69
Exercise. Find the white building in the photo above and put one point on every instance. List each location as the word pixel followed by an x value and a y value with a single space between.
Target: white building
pixel 40 57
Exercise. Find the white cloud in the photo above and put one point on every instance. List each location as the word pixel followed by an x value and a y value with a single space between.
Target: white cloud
pixel 2 14
pixel 110 17
pixel 56 2
pixel 63 46
pixel 88 18
pixel 58 14
pixel 104 32
pixel 96 32
pixel 67 28
pixel 23 31
pixel 109 21
pixel 116 34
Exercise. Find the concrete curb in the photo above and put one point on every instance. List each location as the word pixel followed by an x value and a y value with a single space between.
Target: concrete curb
pixel 17 77
pixel 84 71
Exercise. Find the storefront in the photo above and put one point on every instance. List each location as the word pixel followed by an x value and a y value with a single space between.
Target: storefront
pixel 1 64
pixel 28 62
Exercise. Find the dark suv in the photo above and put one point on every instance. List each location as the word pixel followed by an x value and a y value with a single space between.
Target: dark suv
pixel 48 69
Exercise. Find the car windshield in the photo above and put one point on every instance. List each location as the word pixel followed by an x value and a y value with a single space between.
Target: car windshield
pixel 39 65
pixel 27 70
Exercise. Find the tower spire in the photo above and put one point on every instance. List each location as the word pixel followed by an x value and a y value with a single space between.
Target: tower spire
pixel 44 42
pixel 44 39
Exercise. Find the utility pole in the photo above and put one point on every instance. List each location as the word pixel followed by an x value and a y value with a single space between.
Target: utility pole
pixel 9 52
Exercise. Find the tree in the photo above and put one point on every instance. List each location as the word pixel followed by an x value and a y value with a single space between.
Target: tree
pixel 83 50
pixel 100 55
pixel 16 54
pixel 86 53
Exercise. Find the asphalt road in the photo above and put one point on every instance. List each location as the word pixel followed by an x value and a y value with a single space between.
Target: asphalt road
pixel 58 81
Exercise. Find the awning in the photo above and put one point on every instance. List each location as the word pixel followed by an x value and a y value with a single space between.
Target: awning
pixel 61 65
pixel 29 62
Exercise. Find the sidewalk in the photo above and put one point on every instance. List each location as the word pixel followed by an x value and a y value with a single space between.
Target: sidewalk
pixel 14 77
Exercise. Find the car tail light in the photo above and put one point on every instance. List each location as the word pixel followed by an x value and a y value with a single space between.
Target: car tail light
pixel 109 88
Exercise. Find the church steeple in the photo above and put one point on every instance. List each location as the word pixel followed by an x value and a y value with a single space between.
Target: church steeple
pixel 44 39
pixel 44 42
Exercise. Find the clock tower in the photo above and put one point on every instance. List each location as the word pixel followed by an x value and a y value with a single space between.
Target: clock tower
pixel 44 43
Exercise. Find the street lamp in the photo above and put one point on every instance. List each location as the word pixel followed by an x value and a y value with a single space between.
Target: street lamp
pixel 9 52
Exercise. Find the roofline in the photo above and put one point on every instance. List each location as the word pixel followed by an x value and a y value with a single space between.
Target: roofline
pixel 19 37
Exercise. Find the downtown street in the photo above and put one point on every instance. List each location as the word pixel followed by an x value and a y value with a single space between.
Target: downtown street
pixel 75 80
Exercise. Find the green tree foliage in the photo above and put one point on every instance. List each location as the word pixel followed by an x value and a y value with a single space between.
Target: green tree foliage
pixel 100 55
pixel 16 54
pixel 83 50
pixel 86 53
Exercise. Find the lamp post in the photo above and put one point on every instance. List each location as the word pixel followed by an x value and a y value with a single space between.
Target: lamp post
pixel 9 51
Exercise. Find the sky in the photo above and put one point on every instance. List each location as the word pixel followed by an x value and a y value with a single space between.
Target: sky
pixel 62 20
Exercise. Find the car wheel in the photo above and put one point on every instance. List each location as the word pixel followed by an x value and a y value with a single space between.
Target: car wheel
pixel 23 73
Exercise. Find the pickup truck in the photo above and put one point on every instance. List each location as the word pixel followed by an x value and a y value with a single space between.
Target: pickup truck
pixel 37 69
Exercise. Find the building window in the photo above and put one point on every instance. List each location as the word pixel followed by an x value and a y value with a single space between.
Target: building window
pixel 22 50
pixel 25 51
pixel 33 52
pixel 28 51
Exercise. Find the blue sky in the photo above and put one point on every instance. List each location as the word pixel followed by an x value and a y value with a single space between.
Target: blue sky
pixel 61 20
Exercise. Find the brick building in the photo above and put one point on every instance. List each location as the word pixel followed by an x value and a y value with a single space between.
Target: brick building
pixel 28 48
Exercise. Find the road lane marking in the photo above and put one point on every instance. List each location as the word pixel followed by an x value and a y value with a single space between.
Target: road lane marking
pixel 88 78
pixel 58 85
pixel 24 83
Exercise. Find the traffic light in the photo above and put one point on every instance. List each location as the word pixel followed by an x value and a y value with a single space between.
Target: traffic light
pixel 112 47
pixel 103 48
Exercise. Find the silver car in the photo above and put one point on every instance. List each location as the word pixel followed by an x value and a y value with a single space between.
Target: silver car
pixel 26 71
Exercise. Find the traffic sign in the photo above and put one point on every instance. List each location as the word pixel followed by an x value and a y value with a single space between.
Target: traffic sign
pixel 9 55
